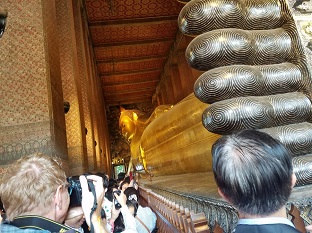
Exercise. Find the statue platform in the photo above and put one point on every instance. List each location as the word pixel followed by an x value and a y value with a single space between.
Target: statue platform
pixel 198 192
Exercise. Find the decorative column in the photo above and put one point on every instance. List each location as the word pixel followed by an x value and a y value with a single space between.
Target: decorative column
pixel 75 128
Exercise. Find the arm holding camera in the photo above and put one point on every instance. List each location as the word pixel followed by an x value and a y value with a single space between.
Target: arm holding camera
pixel 87 202
pixel 134 184
pixel 129 221
pixel 115 211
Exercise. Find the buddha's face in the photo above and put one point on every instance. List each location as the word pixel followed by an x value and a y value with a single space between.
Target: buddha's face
pixel 127 125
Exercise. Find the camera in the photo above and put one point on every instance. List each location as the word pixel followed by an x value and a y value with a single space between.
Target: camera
pixel 116 203
pixel 3 16
pixel 75 190
pixel 1 207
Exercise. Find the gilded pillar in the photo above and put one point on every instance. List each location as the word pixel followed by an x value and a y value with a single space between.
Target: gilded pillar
pixel 75 128
pixel 93 105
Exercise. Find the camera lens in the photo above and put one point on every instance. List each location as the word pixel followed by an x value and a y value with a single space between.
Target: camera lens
pixel 116 203
pixel 74 191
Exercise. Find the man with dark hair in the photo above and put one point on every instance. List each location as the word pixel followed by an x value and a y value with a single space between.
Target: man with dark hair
pixel 121 176
pixel 254 173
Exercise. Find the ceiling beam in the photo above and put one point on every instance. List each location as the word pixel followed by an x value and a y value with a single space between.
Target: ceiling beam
pixel 130 92
pixel 123 97
pixel 142 91
pixel 148 20
pixel 127 102
pixel 127 59
pixel 131 72
pixel 139 59
pixel 126 97
pixel 136 43
pixel 146 83
pixel 127 82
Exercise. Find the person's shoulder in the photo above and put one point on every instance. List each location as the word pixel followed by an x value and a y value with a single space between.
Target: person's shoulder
pixel 145 210
pixel 146 214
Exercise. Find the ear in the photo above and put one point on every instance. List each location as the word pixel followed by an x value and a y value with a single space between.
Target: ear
pixel 121 109
pixel 135 116
pixel 293 180
pixel 223 195
pixel 58 198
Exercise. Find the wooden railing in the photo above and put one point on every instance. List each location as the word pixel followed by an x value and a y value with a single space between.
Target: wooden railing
pixel 175 218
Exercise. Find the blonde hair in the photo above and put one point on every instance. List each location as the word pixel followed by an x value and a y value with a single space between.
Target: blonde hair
pixel 29 185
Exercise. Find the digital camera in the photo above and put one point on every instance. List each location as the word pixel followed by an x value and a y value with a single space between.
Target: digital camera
pixel 1 207
pixel 116 203
pixel 75 190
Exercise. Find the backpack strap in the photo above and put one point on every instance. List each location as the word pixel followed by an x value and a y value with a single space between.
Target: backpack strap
pixel 39 223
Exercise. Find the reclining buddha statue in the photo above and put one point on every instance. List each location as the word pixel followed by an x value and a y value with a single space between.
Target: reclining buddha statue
pixel 173 142
pixel 256 75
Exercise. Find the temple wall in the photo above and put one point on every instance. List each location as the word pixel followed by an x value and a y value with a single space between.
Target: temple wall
pixel 71 84
pixel 31 94
pixel 45 60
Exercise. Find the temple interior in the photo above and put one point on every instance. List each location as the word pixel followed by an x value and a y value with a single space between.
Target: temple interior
pixel 148 86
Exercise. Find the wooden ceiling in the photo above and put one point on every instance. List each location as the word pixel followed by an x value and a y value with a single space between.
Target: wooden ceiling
pixel 131 41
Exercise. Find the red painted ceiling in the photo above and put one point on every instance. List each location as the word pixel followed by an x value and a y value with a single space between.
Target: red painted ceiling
pixel 131 41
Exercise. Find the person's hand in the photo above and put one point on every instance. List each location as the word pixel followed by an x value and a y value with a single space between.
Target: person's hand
pixel 115 214
pixel 88 198
pixel 121 198
pixel 309 228
pixel 131 183
pixel 135 185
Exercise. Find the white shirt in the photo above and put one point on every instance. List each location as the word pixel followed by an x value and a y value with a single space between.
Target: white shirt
pixel 129 220
pixel 148 217
pixel 262 221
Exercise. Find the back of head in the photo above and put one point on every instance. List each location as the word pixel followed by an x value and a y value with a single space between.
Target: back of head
pixel 124 184
pixel 105 179
pixel 132 193
pixel 111 187
pixel 29 185
pixel 253 170
pixel 121 176
pixel 134 205
pixel 112 182
pixel 132 198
